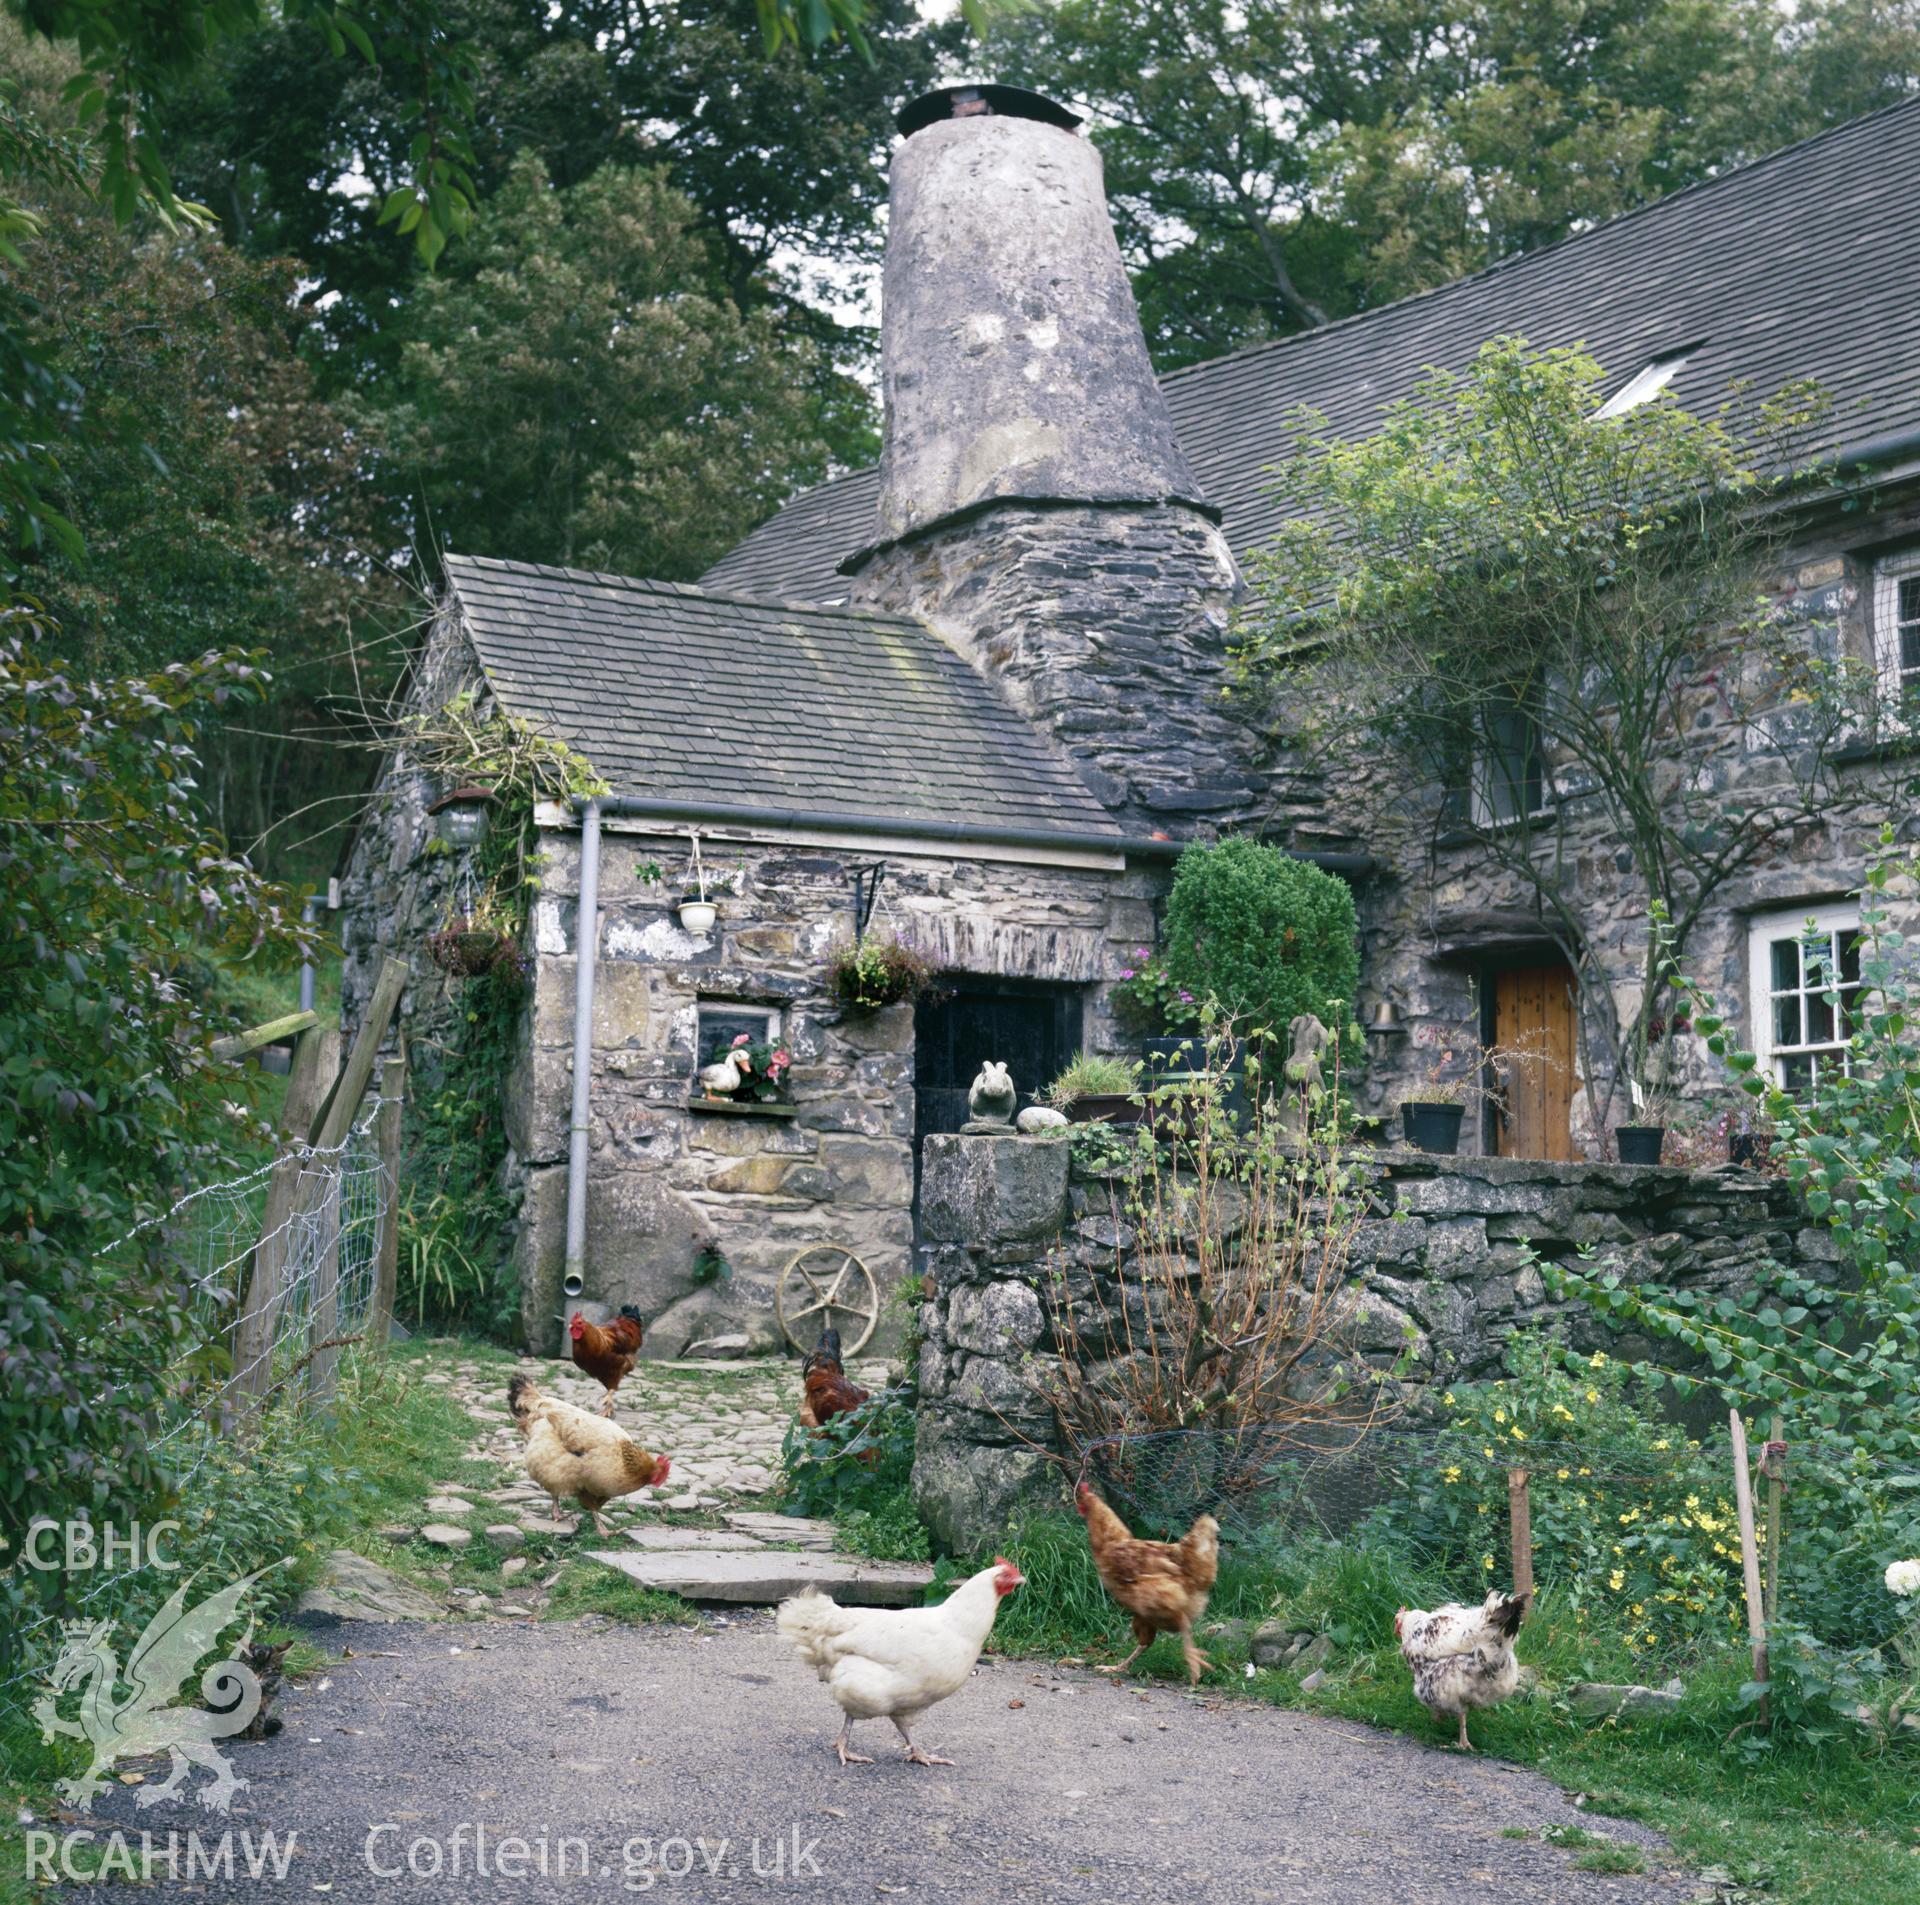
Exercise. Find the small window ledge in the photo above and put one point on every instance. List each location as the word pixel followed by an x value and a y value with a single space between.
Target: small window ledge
pixel 742 1108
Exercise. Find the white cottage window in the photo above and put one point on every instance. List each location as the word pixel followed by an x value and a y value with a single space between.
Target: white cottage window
pixel 1896 628
pixel 1797 963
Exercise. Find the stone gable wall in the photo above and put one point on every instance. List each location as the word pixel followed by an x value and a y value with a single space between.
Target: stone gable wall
pixel 1447 1259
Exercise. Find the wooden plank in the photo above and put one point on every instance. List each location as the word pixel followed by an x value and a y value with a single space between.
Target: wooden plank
pixel 239 1044
pixel 260 1308
pixel 386 1269
pixel 1520 1520
pixel 1772 1465
pixel 335 1118
pixel 1749 1554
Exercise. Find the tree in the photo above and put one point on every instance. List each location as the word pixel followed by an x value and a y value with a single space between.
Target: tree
pixel 784 157
pixel 576 391
pixel 1277 164
pixel 1555 630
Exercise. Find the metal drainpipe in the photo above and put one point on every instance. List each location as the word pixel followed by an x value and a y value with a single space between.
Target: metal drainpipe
pixel 308 914
pixel 586 935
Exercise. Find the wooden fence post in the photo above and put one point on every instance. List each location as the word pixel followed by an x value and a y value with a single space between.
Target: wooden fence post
pixel 1749 1556
pixel 1520 1520
pixel 335 1118
pixel 265 1292
pixel 386 1263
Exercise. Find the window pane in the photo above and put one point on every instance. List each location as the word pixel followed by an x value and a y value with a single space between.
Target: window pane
pixel 1786 965
pixel 1786 1021
pixel 1796 1072
pixel 1850 959
pixel 1819 1019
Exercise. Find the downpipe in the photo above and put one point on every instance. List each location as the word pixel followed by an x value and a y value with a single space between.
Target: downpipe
pixel 586 940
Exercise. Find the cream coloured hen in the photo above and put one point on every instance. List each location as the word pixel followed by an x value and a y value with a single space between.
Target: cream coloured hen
pixel 893 1663
pixel 577 1456
pixel 1462 1657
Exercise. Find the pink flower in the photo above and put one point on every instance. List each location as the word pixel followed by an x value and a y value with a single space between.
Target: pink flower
pixel 1126 972
pixel 745 1038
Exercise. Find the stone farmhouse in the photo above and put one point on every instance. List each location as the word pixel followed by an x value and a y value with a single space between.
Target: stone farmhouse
pixel 975 695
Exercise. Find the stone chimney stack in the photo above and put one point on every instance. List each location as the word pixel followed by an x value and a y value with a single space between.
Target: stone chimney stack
pixel 1035 506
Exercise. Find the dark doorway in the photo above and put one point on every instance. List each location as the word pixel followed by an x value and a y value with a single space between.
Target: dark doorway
pixel 1033 1026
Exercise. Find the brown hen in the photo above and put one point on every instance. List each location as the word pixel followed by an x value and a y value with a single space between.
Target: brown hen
pixel 1163 1584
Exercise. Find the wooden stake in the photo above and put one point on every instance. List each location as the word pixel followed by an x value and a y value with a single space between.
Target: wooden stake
pixel 386 1266
pixel 1520 1520
pixel 323 1315
pixel 1770 1466
pixel 1749 1555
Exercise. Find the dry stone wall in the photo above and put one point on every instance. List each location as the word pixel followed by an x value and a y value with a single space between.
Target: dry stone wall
pixel 1448 1264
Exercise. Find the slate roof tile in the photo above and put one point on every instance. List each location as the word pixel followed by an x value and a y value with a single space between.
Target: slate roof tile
pixel 685 694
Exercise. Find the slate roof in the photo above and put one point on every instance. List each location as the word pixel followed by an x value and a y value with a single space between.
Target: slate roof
pixel 678 693
pixel 1802 264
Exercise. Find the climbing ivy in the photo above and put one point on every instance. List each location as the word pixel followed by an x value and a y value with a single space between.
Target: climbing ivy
pixel 457 1213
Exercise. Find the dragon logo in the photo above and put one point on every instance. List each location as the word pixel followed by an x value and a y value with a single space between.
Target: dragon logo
pixel 145 1720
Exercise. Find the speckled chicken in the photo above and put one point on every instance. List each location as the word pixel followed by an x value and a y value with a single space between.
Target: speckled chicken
pixel 1462 1657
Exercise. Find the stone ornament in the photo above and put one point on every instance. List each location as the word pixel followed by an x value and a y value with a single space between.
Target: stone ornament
pixel 1038 1118
pixel 1306 1054
pixel 991 1099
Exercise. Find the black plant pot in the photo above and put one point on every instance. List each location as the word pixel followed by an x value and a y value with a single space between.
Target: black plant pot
pixel 1745 1147
pixel 1431 1127
pixel 1640 1143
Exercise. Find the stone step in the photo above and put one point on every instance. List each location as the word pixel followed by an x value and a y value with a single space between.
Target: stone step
pixel 763 1576
pixel 691 1540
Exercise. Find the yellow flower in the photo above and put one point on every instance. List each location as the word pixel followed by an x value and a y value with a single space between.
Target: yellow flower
pixel 1499 1415
pixel 1586 1471
pixel 1480 1508
pixel 1598 1360
pixel 1561 1474
pixel 1638 1610
pixel 1663 1443
pixel 1451 1474
pixel 1693 1501
pixel 1486 1561
pixel 1447 1399
pixel 1565 1414
pixel 1616 1580
pixel 1488 1453
pixel 1593 1395
pixel 1518 1433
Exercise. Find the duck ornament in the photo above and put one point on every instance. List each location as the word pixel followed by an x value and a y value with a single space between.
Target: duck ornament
pixel 991 1100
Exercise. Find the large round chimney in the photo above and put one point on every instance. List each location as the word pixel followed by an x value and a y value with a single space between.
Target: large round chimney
pixel 1035 508
pixel 1013 364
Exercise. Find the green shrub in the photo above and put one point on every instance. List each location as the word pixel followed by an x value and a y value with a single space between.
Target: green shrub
pixel 121 905
pixel 1266 936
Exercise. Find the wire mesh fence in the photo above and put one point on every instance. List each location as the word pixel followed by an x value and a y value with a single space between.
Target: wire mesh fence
pixel 282 1267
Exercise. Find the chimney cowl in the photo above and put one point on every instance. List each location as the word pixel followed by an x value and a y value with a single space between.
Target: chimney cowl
pixel 965 98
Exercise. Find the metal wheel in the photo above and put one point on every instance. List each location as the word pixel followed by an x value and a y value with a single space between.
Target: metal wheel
pixel 827 1284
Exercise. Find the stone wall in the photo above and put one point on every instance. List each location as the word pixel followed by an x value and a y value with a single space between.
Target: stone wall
pixel 1446 1266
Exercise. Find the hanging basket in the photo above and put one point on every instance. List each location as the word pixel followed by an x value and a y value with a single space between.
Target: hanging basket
pixel 469 952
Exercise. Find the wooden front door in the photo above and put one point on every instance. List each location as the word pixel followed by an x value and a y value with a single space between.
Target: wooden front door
pixel 1534 1040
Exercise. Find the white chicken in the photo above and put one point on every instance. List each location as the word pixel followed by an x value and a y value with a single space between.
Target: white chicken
pixel 893 1663
pixel 1462 1657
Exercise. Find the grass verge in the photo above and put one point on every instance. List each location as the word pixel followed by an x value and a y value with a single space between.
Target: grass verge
pixel 1798 1825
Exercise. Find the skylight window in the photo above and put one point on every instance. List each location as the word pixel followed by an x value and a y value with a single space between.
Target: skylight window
pixel 1645 383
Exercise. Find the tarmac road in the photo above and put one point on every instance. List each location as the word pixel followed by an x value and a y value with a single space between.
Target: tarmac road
pixel 698 1767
